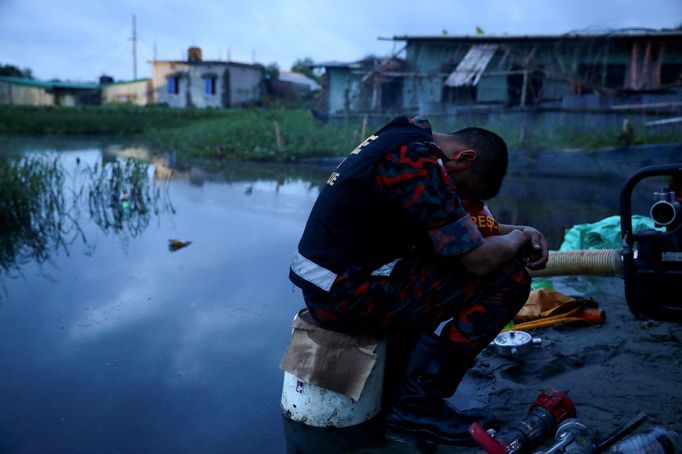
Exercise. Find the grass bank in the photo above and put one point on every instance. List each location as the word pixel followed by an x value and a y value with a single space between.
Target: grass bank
pixel 279 134
pixel 95 120
pixel 261 134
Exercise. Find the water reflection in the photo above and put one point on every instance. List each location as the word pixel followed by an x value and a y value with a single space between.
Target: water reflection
pixel 43 206
pixel 366 437
pixel 121 196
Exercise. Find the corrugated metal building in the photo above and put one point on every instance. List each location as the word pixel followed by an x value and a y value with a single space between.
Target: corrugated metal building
pixel 575 71
pixel 362 86
pixel 199 83
pixel 31 92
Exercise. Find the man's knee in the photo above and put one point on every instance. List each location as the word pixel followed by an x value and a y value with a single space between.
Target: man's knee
pixel 518 272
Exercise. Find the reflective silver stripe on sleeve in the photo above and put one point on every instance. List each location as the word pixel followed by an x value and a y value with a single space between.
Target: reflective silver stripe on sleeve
pixel 312 272
pixel 385 270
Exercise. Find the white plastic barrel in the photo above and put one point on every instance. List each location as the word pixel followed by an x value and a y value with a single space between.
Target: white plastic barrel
pixel 319 407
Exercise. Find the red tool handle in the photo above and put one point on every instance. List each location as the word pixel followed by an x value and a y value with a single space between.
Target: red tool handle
pixel 484 439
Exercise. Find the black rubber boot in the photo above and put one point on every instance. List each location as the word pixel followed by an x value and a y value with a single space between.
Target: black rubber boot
pixel 419 407
pixel 398 351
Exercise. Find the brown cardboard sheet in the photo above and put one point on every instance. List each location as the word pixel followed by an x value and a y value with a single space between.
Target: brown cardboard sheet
pixel 332 360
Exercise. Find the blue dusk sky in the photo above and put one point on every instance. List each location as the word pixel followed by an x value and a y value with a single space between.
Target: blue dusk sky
pixel 81 39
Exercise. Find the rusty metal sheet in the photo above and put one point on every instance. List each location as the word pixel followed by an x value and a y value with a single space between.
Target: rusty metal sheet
pixel 469 70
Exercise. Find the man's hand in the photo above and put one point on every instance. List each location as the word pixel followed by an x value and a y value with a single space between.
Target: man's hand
pixel 538 254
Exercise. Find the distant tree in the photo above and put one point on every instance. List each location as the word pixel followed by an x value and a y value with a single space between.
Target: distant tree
pixel 11 70
pixel 272 71
pixel 303 66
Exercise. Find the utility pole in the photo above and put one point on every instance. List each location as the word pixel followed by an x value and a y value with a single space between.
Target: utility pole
pixel 134 40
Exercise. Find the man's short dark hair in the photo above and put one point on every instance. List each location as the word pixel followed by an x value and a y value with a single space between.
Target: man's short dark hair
pixel 491 165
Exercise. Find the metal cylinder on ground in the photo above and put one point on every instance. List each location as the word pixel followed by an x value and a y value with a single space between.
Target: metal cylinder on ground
pixel 656 441
pixel 316 406
pixel 572 437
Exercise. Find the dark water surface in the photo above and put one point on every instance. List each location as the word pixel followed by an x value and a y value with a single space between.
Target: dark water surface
pixel 123 346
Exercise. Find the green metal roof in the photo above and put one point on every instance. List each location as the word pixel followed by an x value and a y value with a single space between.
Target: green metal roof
pixel 123 82
pixel 47 85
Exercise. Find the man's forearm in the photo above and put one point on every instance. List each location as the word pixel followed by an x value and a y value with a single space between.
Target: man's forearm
pixel 506 228
pixel 494 252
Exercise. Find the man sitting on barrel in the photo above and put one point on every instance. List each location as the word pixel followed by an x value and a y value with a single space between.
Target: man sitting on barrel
pixel 389 249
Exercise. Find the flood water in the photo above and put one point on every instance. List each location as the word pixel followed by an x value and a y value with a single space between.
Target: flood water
pixel 113 343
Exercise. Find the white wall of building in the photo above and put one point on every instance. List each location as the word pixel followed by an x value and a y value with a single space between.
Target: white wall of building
pixel 24 95
pixel 245 85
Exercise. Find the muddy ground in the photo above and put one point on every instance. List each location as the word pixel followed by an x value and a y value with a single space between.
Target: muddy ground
pixel 611 372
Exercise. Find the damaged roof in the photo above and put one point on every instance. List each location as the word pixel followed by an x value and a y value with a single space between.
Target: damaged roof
pixel 624 33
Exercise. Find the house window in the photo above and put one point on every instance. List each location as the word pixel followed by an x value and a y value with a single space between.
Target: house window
pixel 173 84
pixel 210 85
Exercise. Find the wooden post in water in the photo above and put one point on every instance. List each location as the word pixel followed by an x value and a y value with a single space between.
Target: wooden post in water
pixel 278 137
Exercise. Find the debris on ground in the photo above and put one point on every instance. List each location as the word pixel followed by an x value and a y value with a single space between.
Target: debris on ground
pixel 174 245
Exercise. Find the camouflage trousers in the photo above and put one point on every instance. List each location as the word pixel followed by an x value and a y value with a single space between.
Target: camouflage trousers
pixel 419 295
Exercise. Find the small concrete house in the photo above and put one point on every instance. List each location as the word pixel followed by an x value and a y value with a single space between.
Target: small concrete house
pixel 31 92
pixel 199 83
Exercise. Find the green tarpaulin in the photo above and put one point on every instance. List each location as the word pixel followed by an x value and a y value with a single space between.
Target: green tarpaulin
pixel 604 234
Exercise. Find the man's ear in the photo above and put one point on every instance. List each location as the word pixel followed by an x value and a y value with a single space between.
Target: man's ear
pixel 462 159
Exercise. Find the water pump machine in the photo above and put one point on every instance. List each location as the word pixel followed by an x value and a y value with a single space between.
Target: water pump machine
pixel 652 259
